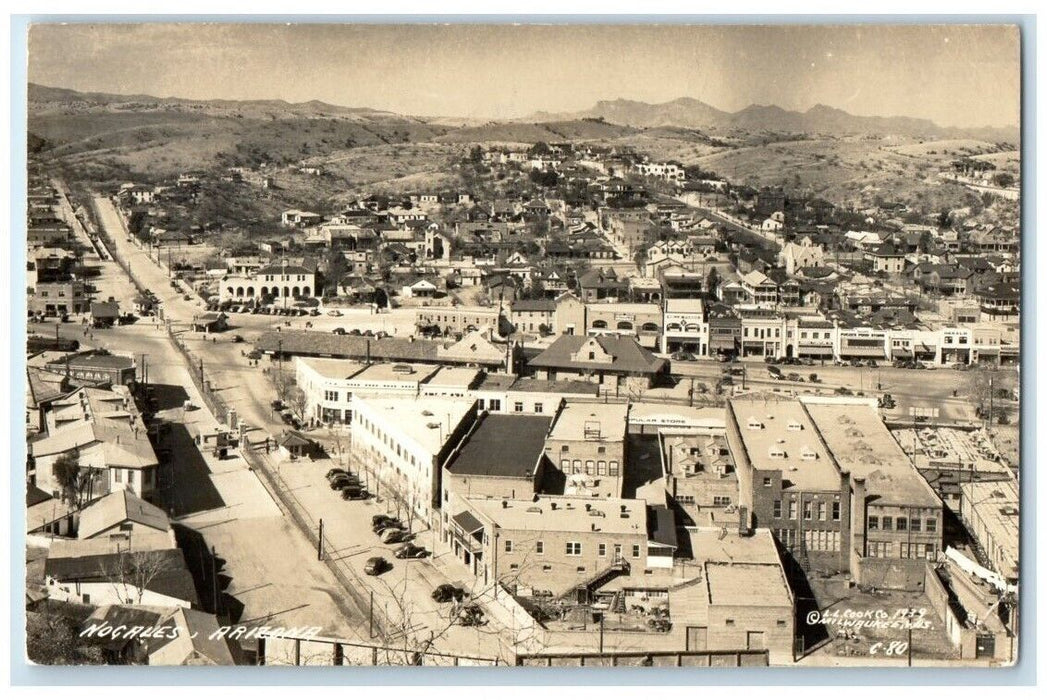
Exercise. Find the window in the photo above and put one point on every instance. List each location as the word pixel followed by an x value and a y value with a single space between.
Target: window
pixel 539 547
pixel 836 510
pixel 767 481
pixel 636 550
pixel 118 476
pixel 601 450
pixel 518 406
pixel 565 464
pixel 565 448
pixel 330 395
pixel 808 510
pixel 574 549
pixel 932 525
pixel 901 524
pixel 496 404
pixel 721 500
pixel 821 510
pixel 729 622
pixel 508 546
pixel 576 466
pixel 792 510
pixel 887 524
pixel 613 468
pixel 874 522
pixel 538 408
pixel 777 509
pixel 601 468
pixel 602 549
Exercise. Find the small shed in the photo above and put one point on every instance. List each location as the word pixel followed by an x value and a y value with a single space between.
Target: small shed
pixel 211 322
pixel 295 445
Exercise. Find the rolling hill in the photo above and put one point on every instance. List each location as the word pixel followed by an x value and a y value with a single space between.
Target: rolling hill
pixel 820 119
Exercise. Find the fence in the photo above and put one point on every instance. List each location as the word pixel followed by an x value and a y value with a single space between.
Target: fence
pixel 727 659
pixel 281 494
pixel 320 651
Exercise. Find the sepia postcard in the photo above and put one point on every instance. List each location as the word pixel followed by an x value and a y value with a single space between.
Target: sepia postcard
pixel 525 345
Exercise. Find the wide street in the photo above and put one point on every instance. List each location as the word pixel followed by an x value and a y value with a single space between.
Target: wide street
pixel 264 551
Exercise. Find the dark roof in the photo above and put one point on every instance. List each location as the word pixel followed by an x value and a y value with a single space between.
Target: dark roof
pixel 502 445
pixel 172 578
pixel 1000 290
pixel 34 495
pixel 468 522
pixel 627 353
pixel 284 269
pixel 320 344
pixel 661 526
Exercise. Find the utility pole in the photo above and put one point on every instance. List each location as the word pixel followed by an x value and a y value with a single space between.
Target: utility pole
pixel 214 581
pixel 370 618
pixel 320 542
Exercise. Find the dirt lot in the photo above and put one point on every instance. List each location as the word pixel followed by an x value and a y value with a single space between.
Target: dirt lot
pixel 874 624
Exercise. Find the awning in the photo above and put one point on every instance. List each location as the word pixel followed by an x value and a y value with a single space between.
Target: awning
pixel 861 352
pixel 901 353
pixel 467 522
pixel 815 350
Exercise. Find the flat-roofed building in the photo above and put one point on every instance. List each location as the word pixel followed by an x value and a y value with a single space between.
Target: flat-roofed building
pixel 750 607
pixel 94 368
pixel 700 477
pixel 990 511
pixel 895 515
pixel 685 327
pixel 502 456
pixel 788 480
pixel 403 443
pixel 640 321
pixel 586 444
pixel 458 319
pixel 330 385
pixel 552 543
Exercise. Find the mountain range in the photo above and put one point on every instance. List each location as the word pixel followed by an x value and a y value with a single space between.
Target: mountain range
pixel 685 112
pixel 820 119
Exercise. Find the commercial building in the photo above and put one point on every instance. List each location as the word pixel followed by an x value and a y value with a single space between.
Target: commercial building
pixel 700 476
pixel 94 368
pixel 551 543
pixel 990 511
pixel 685 328
pixel 501 456
pixel 458 319
pixel 896 517
pixel 587 445
pixel 402 445
pixel 614 363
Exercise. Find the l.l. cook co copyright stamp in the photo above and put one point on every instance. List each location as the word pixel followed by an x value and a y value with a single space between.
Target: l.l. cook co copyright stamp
pixel 872 619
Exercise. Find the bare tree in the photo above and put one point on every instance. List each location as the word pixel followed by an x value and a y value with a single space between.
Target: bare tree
pixel 74 479
pixel 132 574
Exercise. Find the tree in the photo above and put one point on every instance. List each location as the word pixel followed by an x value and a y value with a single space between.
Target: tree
pixel 134 572
pixel 712 280
pixel 73 478
pixel 1004 179
pixel 298 401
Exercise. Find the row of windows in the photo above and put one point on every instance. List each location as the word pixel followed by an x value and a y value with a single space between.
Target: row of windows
pixel 810 509
pixel 762 332
pixel 900 524
pixel 592 467
pixel 574 549
pixel 814 540
pixel 902 550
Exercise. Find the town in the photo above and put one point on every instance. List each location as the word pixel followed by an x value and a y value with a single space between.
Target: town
pixel 580 407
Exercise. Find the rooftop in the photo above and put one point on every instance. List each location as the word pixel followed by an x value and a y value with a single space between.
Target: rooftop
pixel 777 434
pixel 628 356
pixel 747 584
pixel 394 372
pixel 330 368
pixel 502 445
pixel 560 386
pixel 996 506
pixel 454 377
pixel 426 422
pixel 862 445
pixel 590 422
pixel 565 514
pixel 684 306
pixel 118 507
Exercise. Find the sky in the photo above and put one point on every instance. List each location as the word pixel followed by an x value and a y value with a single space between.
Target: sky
pixel 955 75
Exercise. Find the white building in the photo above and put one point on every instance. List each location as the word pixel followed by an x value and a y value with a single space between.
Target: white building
pixel 685 327
pixel 276 283
pixel 402 444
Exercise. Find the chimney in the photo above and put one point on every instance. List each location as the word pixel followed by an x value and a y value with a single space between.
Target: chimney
pixel 505 504
pixel 743 521
pixel 858 516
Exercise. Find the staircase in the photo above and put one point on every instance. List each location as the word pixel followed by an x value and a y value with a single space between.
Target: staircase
pixel 583 591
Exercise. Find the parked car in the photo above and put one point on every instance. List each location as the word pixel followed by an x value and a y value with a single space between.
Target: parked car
pixel 379 519
pixel 339 331
pixel 774 371
pixel 411 551
pixel 238 339
pixel 394 536
pixel 445 593
pixel 339 482
pixel 385 524
pixel 332 473
pixel 334 312
pixel 354 492
pixel 375 566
